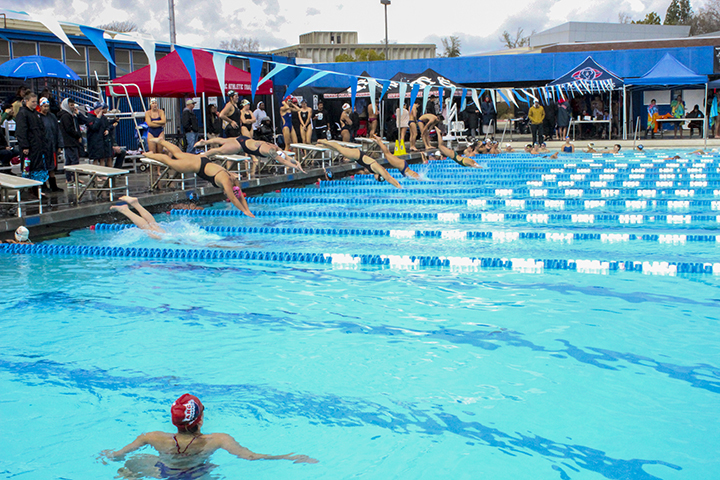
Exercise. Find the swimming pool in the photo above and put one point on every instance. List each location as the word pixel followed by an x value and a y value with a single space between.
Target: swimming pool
pixel 382 344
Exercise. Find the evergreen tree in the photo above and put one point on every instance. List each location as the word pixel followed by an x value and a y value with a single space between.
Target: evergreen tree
pixel 679 13
pixel 651 18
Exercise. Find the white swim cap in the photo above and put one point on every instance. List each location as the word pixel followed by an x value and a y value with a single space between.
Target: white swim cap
pixel 22 234
pixel 438 153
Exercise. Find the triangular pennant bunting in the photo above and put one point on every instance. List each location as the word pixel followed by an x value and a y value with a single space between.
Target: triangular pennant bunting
pixel 96 36
pixel 279 67
pixel 186 55
pixel 414 94
pixel 463 100
pixel 353 91
pixel 53 25
pixel 305 74
pixel 219 60
pixel 256 66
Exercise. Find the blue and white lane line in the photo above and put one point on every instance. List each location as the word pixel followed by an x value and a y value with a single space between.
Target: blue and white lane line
pixel 500 236
pixel 534 218
pixel 525 265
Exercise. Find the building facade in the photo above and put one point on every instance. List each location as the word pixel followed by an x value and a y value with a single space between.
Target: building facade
pixel 324 47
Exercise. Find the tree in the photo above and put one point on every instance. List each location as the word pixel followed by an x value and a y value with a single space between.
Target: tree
pixel 452 46
pixel 361 55
pixel 707 19
pixel 624 17
pixel 651 18
pixel 517 41
pixel 242 44
pixel 679 13
pixel 120 27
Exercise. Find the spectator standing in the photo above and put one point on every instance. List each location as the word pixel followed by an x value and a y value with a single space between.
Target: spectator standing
pixel 259 113
pixel 53 143
pixel 231 114
pixel 54 106
pixel 321 120
pixel 98 135
pixel 18 99
pixel 214 123
pixel 119 153
pixel 473 119
pixel 563 118
pixel 6 152
pixel 678 111
pixel 652 125
pixel 489 115
pixel 536 116
pixel 402 117
pixel 247 119
pixel 72 138
pixel 550 120
pixel 155 120
pixel 30 135
pixel 305 122
pixel 189 124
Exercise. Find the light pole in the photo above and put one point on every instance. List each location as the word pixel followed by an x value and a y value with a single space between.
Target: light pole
pixel 171 17
pixel 386 3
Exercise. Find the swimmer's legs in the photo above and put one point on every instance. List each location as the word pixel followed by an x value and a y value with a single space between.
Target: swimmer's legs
pixel 349 153
pixel 392 159
pixel 174 150
pixel 139 221
pixel 445 150
pixel 180 165
pixel 133 202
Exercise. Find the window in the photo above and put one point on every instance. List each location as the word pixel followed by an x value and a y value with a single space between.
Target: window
pixel 122 61
pixel 338 39
pixel 77 62
pixel 52 50
pixel 23 49
pixel 98 63
pixel 4 51
pixel 139 59
pixel 159 56
pixel 238 63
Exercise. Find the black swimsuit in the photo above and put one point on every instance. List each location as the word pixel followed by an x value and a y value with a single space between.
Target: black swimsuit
pixel 242 139
pixel 362 162
pixel 203 162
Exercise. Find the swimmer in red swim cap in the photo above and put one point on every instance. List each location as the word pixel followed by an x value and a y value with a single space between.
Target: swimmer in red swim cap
pixel 185 454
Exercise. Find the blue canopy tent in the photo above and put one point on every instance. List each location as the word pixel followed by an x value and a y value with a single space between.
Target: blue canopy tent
pixel 666 73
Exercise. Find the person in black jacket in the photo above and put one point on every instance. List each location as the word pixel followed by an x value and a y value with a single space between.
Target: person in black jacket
pixel 30 135
pixel 54 141
pixel 489 115
pixel 98 135
pixel 214 123
pixel 190 124
pixel 72 138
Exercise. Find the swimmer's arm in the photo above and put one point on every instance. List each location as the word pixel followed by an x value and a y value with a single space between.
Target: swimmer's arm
pixel 241 205
pixel 380 170
pixel 469 162
pixel 139 442
pixel 229 444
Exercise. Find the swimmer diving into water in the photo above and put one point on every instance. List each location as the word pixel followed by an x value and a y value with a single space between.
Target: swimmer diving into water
pixel 232 146
pixel 144 221
pixel 365 161
pixel 394 161
pixel 185 454
pixel 203 168
pixel 459 159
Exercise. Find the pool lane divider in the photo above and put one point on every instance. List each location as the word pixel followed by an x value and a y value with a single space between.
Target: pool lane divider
pixel 347 260
pixel 535 218
pixel 444 234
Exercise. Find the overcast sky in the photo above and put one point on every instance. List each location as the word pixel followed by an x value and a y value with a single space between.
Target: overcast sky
pixel 278 23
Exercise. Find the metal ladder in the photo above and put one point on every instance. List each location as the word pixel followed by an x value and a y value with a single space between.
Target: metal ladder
pixel 131 115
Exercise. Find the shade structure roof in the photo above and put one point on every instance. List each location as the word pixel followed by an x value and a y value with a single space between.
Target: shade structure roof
pixel 173 79
pixel 588 71
pixel 668 71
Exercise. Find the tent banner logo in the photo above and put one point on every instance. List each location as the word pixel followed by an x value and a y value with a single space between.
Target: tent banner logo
pixel 587 73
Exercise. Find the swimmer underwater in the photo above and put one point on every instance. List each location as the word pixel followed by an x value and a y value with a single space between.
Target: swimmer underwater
pixel 185 454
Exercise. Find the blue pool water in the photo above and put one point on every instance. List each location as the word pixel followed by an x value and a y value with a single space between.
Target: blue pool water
pixel 392 370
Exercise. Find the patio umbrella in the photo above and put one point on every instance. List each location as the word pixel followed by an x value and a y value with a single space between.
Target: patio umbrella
pixel 36 66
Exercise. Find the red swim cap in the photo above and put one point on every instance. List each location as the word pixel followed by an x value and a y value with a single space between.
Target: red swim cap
pixel 186 411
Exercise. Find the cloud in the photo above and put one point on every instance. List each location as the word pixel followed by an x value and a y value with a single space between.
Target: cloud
pixel 312 11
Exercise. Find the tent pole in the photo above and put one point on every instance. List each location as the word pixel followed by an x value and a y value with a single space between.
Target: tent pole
pixel 624 120
pixel 611 118
pixel 272 101
pixel 705 117
pixel 204 114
